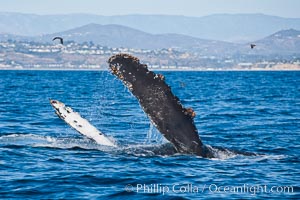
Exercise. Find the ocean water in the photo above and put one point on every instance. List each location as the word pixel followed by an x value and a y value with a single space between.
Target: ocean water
pixel 41 157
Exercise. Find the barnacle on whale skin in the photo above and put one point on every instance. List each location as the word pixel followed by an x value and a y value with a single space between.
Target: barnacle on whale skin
pixel 190 112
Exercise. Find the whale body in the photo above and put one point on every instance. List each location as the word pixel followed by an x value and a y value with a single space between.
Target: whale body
pixel 164 109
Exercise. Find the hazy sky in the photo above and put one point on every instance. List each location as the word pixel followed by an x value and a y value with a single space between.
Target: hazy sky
pixel 283 8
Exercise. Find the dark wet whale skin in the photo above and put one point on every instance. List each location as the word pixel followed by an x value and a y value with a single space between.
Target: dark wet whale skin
pixel 159 103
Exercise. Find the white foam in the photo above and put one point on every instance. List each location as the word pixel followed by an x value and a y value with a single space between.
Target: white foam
pixel 52 142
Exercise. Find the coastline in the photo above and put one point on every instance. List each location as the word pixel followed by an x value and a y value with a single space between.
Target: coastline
pixel 156 69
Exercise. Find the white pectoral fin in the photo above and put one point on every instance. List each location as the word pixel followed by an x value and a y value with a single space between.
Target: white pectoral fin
pixel 80 124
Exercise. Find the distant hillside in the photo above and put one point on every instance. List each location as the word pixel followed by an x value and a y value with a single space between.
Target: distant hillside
pixel 285 41
pixel 122 36
pixel 225 27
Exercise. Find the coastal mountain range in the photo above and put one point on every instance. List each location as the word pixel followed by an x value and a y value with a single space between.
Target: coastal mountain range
pixel 281 43
pixel 238 28
pixel 122 36
pixel 187 34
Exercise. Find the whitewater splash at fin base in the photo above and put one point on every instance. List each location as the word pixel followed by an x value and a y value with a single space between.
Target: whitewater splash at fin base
pixel 162 107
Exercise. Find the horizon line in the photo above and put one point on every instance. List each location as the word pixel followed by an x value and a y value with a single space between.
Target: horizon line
pixel 146 14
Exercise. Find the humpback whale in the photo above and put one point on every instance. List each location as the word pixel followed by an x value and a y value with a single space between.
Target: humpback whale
pixel 163 108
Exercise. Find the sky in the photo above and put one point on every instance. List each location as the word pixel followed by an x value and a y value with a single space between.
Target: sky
pixel 197 8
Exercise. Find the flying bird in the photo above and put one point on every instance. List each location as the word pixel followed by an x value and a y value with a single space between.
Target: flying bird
pixel 252 45
pixel 60 39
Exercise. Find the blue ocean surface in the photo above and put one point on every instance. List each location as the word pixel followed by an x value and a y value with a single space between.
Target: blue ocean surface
pixel 41 157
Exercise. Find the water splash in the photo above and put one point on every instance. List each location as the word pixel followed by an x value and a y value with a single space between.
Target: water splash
pixel 52 142
pixel 153 136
